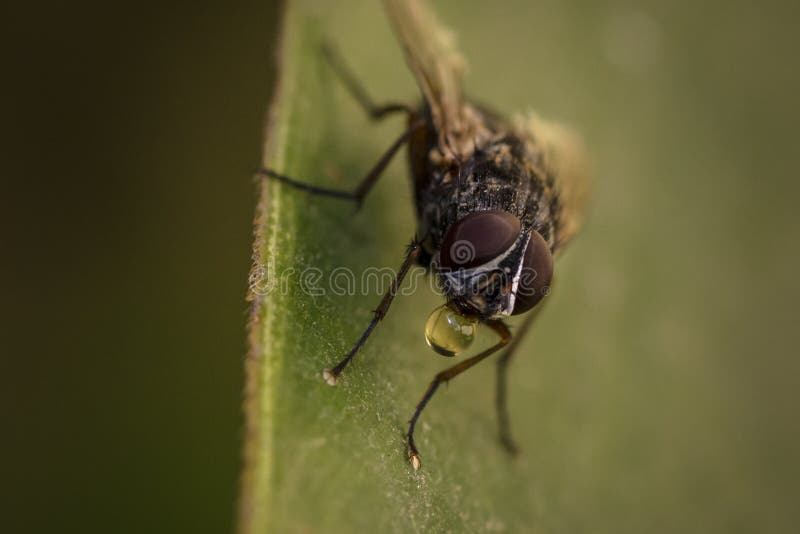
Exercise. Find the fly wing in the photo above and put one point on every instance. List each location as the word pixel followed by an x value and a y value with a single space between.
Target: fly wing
pixel 560 154
pixel 436 64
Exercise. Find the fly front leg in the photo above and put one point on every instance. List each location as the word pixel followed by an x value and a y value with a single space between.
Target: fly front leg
pixel 448 374
pixel 331 375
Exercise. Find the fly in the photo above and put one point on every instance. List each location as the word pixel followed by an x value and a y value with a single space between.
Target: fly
pixel 495 199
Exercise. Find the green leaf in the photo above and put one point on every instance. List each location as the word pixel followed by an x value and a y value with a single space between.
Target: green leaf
pixel 624 398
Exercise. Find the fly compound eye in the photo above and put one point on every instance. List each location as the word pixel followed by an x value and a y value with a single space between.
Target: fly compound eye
pixel 448 332
pixel 478 238
pixel 536 274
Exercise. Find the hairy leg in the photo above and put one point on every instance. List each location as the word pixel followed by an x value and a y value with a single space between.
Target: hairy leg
pixel 446 376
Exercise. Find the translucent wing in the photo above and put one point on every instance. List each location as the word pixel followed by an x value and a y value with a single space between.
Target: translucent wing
pixel 436 64
pixel 561 155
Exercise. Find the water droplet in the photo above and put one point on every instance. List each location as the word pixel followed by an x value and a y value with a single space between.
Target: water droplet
pixel 448 332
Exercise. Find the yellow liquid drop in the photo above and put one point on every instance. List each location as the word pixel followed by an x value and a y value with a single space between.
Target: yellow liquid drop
pixel 448 332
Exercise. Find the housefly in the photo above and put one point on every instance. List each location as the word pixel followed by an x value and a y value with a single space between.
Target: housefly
pixel 496 199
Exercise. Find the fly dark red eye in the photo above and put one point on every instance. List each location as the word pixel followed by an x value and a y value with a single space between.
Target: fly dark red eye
pixel 536 275
pixel 478 238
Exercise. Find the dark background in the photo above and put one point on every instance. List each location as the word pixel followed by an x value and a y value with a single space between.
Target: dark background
pixel 127 210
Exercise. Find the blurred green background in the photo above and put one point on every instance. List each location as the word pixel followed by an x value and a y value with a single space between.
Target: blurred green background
pixel 127 206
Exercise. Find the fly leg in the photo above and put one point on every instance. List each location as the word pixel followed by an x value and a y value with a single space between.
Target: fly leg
pixel 366 184
pixel 331 375
pixel 375 113
pixel 356 89
pixel 446 376
pixel 502 368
